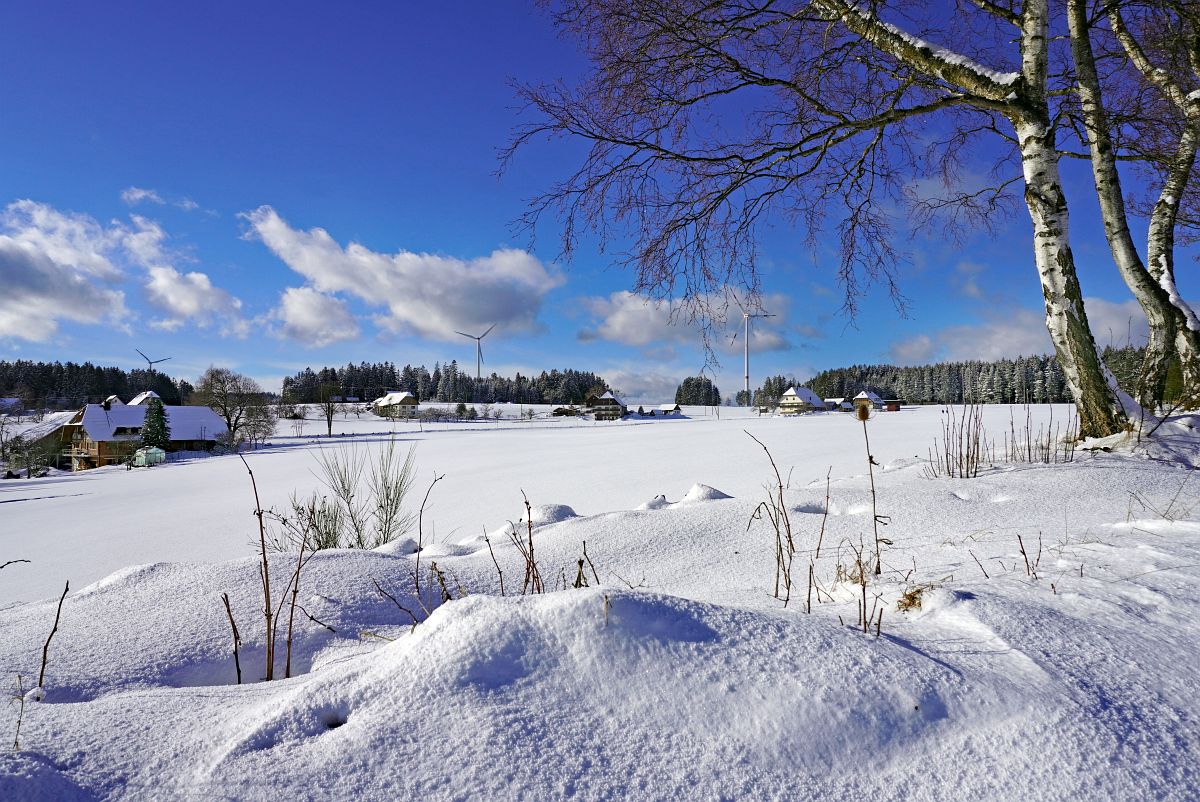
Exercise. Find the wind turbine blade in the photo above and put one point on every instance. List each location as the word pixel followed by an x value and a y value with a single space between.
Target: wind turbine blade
pixel 489 331
pixel 463 333
pixel 143 355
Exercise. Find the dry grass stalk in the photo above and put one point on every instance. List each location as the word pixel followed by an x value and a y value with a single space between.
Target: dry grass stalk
pixel 864 414
pixel 46 647
pixel 421 533
pixel 776 513
pixel 825 516
pixel 264 572
pixel 237 640
pixel 18 698
pixel 532 582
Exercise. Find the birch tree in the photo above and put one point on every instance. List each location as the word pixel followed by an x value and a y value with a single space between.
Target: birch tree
pixel 1161 40
pixel 706 120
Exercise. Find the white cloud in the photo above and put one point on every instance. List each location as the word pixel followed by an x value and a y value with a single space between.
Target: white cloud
pixel 913 351
pixel 1117 324
pixel 1021 332
pixel 187 204
pixel 966 278
pixel 192 297
pixel 55 267
pixel 313 318
pixel 39 292
pixel 640 387
pixel 654 326
pixel 428 294
pixel 135 195
pixel 64 266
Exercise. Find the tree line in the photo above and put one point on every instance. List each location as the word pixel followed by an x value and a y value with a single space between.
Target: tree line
pixel 447 383
pixel 1027 379
pixel 66 385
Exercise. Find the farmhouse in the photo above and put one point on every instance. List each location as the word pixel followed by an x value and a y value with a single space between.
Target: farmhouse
pixel 606 406
pixel 669 409
pixel 797 400
pixel 868 399
pixel 395 404
pixel 108 434
pixel 141 399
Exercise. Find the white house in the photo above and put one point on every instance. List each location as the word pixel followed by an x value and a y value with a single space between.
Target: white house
pixel 799 399
pixel 396 403
pixel 141 398
pixel 868 398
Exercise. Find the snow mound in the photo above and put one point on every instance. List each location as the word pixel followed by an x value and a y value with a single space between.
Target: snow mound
pixel 33 778
pixel 699 492
pixel 657 503
pixel 399 547
pixel 638 673
pixel 543 514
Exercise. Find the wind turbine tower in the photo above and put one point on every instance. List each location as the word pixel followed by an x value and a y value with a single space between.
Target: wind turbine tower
pixel 746 347
pixel 478 347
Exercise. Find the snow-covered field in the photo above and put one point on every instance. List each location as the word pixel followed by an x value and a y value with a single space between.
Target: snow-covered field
pixel 680 676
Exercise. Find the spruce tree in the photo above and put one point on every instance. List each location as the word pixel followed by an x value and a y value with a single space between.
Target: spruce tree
pixel 155 431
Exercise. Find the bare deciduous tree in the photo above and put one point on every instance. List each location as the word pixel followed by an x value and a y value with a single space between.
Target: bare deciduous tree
pixel 706 120
pixel 231 395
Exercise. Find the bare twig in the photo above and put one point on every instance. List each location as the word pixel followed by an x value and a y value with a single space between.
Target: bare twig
pixel 421 532
pixel 985 573
pixel 12 562
pixel 237 640
pixel 495 562
pixel 314 619
pixel 394 601
pixel 46 648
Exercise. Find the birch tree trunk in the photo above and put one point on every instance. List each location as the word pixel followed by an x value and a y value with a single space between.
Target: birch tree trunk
pixel 1100 413
pixel 1163 318
pixel 1184 333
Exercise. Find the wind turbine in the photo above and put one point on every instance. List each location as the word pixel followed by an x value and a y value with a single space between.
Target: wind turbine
pixel 150 363
pixel 478 346
pixel 746 345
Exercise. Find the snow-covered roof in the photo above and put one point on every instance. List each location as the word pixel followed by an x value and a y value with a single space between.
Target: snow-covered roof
pixel 804 394
pixel 395 397
pixel 185 423
pixel 668 407
pixel 608 396
pixel 48 425
pixel 114 401
pixel 870 396
pixel 143 397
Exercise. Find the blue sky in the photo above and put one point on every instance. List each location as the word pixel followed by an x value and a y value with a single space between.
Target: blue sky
pixel 271 186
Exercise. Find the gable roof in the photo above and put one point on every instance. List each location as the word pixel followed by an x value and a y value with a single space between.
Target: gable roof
pixel 143 397
pixel 608 396
pixel 395 397
pixel 806 395
pixel 870 396
pixel 114 401
pixel 185 423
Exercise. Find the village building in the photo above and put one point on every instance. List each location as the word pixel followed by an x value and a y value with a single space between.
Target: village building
pixel 839 405
pixel 141 399
pixel 606 406
pixel 868 399
pixel 669 409
pixel 799 399
pixel 110 433
pixel 395 404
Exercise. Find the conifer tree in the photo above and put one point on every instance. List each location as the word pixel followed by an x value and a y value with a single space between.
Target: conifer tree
pixel 155 431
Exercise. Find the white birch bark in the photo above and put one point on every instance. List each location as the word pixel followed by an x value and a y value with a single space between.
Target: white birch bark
pixel 1163 317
